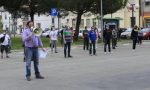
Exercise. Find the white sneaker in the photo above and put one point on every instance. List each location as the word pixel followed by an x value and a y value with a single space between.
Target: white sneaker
pixel 105 53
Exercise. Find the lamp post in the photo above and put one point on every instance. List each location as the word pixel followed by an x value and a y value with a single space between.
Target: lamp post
pixel 132 7
pixel 132 18
pixel 101 13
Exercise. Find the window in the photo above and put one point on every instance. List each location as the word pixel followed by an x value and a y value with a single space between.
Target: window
pixel 38 25
pixel 147 3
pixel 88 23
pixel 82 23
pixel 73 23
pixel 5 17
pixel 94 21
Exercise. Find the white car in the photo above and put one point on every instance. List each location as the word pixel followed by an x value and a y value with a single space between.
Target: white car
pixel 127 33
pixel 46 33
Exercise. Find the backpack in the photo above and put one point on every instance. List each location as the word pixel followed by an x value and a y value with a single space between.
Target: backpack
pixel 2 39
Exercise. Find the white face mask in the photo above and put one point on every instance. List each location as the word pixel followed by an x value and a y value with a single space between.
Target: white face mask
pixel 53 29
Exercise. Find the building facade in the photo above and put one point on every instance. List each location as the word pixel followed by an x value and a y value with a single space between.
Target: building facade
pixel 145 12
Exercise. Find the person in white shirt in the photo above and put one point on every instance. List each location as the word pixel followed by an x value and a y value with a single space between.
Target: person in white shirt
pixel 53 35
pixel 4 44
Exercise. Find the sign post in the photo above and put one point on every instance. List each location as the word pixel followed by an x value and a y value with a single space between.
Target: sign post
pixel 54 13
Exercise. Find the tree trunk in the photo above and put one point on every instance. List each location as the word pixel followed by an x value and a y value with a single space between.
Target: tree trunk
pixel 78 22
pixel 32 10
pixel 32 16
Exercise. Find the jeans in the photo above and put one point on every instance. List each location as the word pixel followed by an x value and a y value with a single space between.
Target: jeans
pixel 92 44
pixel 54 45
pixel 32 54
pixel 67 45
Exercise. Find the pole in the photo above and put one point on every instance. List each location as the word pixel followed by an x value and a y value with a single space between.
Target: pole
pixel 101 3
pixel 140 14
pixel 58 20
pixel 132 17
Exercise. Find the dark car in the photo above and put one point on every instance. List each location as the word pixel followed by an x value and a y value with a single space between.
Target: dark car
pixel 146 33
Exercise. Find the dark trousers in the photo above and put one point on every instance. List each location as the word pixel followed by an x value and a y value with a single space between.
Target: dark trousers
pixel 4 48
pixel 140 40
pixel 86 44
pixel 114 43
pixel 134 42
pixel 107 43
pixel 92 45
pixel 67 45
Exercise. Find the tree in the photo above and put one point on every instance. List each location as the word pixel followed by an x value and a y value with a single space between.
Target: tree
pixel 30 7
pixel 80 7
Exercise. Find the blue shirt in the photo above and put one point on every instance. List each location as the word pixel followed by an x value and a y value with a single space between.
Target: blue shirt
pixel 33 41
pixel 92 35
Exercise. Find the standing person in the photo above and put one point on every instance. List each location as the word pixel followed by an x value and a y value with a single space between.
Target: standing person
pixel 61 37
pixel 92 40
pixel 97 35
pixel 9 43
pixel 67 36
pixel 86 39
pixel 31 43
pixel 140 36
pixel 4 45
pixel 114 39
pixel 134 36
pixel 107 34
pixel 53 35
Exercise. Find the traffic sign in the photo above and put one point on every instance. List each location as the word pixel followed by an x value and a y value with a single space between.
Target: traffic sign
pixel 54 11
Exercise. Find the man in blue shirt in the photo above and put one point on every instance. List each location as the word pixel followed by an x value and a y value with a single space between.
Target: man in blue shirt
pixel 92 40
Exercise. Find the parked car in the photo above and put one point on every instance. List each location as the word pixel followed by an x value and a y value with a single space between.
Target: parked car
pixel 45 30
pixel 127 33
pixel 80 33
pixel 146 33
pixel 45 34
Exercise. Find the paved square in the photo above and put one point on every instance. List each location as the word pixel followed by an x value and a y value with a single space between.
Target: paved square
pixel 122 70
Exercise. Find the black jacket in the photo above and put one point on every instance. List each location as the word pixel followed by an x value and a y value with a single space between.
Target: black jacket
pixel 107 34
pixel 134 33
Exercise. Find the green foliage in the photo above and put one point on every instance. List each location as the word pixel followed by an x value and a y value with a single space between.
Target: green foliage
pixel 109 6
pixel 1 25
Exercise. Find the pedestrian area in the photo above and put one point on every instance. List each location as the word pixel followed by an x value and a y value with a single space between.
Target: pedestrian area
pixel 124 69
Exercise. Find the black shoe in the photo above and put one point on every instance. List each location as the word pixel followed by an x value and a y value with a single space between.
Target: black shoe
pixel 90 55
pixel 39 77
pixel 65 57
pixel 7 57
pixel 56 52
pixel 70 56
pixel 95 54
pixel 28 78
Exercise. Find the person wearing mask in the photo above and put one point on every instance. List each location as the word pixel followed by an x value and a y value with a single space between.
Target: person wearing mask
pixel 67 36
pixel 86 39
pixel 114 39
pixel 53 35
pixel 4 45
pixel 134 36
pixel 31 43
pixel 107 34
pixel 140 36
pixel 92 40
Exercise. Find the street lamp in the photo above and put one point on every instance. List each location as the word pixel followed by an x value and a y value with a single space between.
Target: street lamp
pixel 132 7
pixel 101 13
